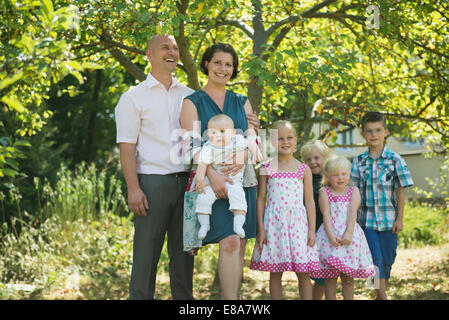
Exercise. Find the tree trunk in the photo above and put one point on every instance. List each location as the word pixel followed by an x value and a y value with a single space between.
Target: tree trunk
pixel 255 90
pixel 184 52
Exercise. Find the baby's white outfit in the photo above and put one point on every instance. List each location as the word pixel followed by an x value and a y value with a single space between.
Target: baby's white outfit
pixel 214 156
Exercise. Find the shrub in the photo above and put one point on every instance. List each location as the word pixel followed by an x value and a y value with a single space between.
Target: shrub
pixel 423 225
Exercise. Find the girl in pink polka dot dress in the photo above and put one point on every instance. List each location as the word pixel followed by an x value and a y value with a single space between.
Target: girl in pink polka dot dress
pixel 343 249
pixel 286 227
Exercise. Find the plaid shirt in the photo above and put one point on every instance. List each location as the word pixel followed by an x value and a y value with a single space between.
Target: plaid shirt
pixel 377 180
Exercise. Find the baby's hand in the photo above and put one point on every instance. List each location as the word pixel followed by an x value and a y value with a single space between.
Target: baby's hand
pixel 200 185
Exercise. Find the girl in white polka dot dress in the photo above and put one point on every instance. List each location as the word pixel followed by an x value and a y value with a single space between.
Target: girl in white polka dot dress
pixel 343 249
pixel 286 217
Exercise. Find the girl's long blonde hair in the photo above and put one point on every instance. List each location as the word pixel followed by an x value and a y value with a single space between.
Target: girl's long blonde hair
pixel 283 123
pixel 333 163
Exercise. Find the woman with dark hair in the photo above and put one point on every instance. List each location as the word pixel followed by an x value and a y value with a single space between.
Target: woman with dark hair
pixel 220 64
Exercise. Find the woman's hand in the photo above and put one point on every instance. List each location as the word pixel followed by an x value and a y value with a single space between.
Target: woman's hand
pixel 200 185
pixel 253 120
pixel 218 183
pixel 234 163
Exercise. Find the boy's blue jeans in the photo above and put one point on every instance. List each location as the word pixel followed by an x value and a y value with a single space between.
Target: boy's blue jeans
pixel 383 245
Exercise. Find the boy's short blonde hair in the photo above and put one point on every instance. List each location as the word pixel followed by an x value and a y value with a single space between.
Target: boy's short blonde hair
pixel 333 163
pixel 315 144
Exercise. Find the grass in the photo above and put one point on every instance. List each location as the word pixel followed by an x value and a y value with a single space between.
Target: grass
pixel 418 274
pixel 424 225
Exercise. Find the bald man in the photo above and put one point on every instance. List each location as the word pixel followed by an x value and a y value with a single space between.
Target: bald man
pixel 146 118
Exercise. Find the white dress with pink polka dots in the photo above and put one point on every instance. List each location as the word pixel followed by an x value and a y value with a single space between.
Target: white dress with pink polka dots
pixel 353 260
pixel 286 226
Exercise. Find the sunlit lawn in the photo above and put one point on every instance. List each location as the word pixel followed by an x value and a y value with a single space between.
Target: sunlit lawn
pixel 418 274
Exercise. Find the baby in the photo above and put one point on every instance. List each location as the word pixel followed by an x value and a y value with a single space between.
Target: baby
pixel 223 142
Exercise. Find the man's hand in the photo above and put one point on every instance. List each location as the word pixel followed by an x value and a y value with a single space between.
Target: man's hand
pixel 137 202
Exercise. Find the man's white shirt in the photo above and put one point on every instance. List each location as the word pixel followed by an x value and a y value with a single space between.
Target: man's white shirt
pixel 148 115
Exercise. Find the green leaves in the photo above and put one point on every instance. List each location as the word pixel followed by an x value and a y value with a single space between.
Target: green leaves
pixel 35 54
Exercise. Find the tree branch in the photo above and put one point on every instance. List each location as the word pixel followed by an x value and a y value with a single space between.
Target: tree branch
pixel 113 43
pixel 195 57
pixel 336 15
pixel 289 20
pixel 124 61
pixel 184 52
pixel 310 12
pixel 241 25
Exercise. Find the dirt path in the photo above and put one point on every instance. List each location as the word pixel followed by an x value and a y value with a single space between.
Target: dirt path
pixel 418 274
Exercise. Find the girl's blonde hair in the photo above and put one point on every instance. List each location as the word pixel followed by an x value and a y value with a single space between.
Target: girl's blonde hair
pixel 283 123
pixel 333 163
pixel 315 144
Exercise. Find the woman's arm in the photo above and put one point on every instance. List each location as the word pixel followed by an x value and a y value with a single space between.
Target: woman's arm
pixel 309 203
pixel 190 122
pixel 189 117
pixel 233 165
pixel 253 127
pixel 192 132
pixel 253 119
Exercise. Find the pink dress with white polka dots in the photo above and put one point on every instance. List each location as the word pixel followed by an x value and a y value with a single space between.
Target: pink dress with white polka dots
pixel 353 260
pixel 286 226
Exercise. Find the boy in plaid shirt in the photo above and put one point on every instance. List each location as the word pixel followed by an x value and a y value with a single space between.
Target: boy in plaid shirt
pixel 381 175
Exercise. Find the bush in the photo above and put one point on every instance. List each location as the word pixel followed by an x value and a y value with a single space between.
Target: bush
pixel 82 232
pixel 423 225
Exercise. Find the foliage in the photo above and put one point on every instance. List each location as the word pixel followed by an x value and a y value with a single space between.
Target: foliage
pixel 309 62
pixel 86 112
pixel 34 55
pixel 82 228
pixel 89 255
pixel 424 225
pixel 87 193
